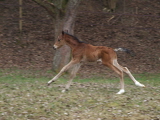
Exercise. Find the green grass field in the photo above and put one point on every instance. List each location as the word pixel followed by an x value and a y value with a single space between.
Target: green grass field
pixel 25 96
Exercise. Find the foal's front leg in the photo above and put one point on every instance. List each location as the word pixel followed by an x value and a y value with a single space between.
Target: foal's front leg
pixel 65 68
pixel 72 76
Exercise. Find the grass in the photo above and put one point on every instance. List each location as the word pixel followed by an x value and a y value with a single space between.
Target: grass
pixel 25 96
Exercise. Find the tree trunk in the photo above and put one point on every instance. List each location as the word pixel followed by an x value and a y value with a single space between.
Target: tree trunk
pixel 63 13
pixel 62 55
pixel 110 4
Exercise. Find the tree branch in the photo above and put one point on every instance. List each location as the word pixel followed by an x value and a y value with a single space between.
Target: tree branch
pixel 49 7
pixel 49 3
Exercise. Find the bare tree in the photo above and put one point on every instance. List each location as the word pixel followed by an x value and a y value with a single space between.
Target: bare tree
pixel 110 4
pixel 63 13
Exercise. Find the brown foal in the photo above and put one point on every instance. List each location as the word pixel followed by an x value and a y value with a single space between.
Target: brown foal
pixel 82 52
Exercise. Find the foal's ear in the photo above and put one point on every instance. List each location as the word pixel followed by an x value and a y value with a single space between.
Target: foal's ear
pixel 62 32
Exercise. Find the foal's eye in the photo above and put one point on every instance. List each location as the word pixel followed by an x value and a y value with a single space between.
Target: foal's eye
pixel 58 39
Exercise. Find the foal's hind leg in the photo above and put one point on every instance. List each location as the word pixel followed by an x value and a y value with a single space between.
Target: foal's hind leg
pixel 125 69
pixel 72 75
pixel 120 73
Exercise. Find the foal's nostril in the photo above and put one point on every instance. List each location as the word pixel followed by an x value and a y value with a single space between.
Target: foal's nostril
pixel 54 48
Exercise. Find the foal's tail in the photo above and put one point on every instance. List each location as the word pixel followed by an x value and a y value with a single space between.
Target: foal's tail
pixel 125 50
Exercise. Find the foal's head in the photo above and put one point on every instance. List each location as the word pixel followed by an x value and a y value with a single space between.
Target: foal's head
pixel 60 41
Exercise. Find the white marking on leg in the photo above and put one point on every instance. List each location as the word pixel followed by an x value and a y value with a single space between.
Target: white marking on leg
pixel 49 81
pixel 73 74
pixel 139 84
pixel 121 91
pixel 115 63
pixel 134 80
pixel 99 60
pixel 125 69
pixel 65 68
pixel 53 79
pixel 63 91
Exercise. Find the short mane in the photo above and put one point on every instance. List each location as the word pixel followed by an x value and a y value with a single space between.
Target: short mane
pixel 75 38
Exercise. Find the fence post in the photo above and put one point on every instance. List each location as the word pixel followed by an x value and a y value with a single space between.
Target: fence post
pixel 20 16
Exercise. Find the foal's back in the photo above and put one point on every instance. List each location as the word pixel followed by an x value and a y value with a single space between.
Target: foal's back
pixel 93 53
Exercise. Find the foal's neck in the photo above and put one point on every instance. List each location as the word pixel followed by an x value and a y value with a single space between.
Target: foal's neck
pixel 71 42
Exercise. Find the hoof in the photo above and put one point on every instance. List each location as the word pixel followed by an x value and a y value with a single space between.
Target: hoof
pixel 65 90
pixel 139 84
pixel 49 82
pixel 121 91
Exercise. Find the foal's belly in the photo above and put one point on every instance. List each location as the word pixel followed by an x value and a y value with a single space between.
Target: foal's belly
pixel 92 61
pixel 92 53
pixel 91 58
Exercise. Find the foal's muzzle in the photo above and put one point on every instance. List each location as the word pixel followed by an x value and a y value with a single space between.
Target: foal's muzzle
pixel 55 47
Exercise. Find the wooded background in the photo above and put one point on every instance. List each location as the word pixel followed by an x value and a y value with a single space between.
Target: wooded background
pixel 28 31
